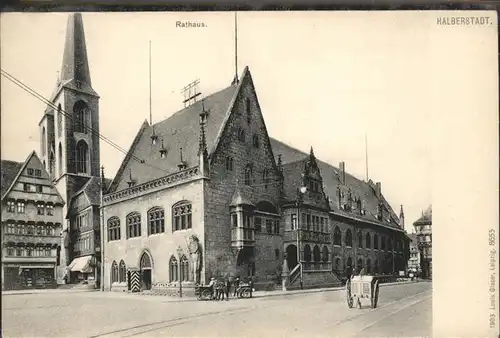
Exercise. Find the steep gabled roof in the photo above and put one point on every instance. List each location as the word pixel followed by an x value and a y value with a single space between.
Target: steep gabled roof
pixel 181 130
pixel 9 169
pixel 17 174
pixel 293 160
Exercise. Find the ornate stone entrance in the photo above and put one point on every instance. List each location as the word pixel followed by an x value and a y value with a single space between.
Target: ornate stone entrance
pixel 146 269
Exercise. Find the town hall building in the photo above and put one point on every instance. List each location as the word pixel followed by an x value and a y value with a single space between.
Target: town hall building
pixel 207 193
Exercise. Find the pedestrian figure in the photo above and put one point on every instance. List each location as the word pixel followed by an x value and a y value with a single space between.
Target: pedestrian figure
pixel 212 285
pixel 236 285
pixel 227 287
pixel 220 290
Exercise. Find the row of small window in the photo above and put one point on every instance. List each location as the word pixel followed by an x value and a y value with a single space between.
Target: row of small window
pixel 426 238
pixel 181 220
pixel 34 172
pixel 20 208
pixel 28 229
pixel 83 244
pixel 316 255
pixel 337 240
pixel 81 221
pixel 28 187
pixel 272 225
pixel 242 137
pixel 176 271
pixel 249 177
pixel 310 222
pixel 29 252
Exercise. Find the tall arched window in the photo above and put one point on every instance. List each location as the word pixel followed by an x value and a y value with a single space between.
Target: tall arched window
pixel 114 229
pixel 122 272
pixel 375 241
pixel 360 239
pixel 316 254
pixel 337 236
pixel 133 225
pixel 383 243
pixel 182 216
pixel 376 267
pixel 59 120
pixel 368 240
pixel 81 117
pixel 44 142
pixel 307 253
pixel 368 265
pixel 173 269
pixel 60 160
pixel 81 158
pixel 184 269
pixel 114 272
pixel 348 238
pixel 248 175
pixel 156 220
pixel 326 254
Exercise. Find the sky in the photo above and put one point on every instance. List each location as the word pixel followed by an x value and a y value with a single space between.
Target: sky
pixel 322 80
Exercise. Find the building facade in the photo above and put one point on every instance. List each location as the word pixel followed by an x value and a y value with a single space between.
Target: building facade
pixel 414 264
pixel 32 218
pixel 423 229
pixel 69 133
pixel 217 196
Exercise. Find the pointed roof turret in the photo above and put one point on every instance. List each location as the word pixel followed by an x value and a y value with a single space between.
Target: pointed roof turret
pixel 75 70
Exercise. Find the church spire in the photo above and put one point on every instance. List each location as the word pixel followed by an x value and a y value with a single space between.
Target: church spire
pixel 75 65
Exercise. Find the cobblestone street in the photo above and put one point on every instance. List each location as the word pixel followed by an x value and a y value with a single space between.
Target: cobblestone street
pixel 404 310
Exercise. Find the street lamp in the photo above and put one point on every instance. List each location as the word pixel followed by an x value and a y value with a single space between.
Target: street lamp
pixel 180 253
pixel 300 196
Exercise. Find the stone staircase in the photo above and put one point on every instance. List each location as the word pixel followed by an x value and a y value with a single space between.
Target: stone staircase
pixel 313 279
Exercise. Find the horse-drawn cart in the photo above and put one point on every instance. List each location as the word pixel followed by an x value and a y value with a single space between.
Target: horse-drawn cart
pixel 362 287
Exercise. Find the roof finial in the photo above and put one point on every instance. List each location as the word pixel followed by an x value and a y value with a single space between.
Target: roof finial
pixel 202 147
pixel 235 80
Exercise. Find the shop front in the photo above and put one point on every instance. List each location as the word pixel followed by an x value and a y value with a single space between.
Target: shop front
pixel 82 270
pixel 29 276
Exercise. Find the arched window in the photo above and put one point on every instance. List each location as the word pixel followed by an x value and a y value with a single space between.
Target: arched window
pixel 368 265
pixel 348 238
pixel 316 254
pixel 81 116
pixel 59 120
pixel 184 269
pixel 337 264
pixel 247 108
pixel 114 229
pixel 173 267
pixel 368 240
pixel 122 272
pixel 248 175
pixel 182 216
pixel 156 220
pixel 60 160
pixel 359 264
pixel 114 272
pixel 360 239
pixel 145 261
pixel 241 134
pixel 383 243
pixel 133 225
pixel 44 142
pixel 81 158
pixel 268 207
pixel 337 236
pixel 51 162
pixel 326 254
pixel 229 163
pixel 277 254
pixel 375 241
pixel 376 267
pixel 307 253
pixel 256 141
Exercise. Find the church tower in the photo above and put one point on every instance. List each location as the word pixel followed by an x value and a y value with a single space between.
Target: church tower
pixel 70 129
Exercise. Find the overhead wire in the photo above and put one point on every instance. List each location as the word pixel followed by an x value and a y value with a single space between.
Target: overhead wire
pixel 34 93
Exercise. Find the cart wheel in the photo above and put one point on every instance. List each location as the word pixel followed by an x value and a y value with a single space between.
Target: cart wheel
pixel 206 294
pixel 350 300
pixel 375 295
pixel 245 293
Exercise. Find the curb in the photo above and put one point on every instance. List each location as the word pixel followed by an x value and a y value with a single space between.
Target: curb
pixel 45 292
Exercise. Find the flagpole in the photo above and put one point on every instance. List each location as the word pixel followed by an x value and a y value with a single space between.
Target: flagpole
pixel 366 156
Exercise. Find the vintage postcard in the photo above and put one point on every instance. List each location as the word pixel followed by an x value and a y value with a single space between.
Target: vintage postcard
pixel 267 174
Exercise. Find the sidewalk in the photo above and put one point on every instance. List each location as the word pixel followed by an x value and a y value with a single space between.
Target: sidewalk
pixel 257 294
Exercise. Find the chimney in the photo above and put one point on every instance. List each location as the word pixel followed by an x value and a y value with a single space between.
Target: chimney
pixel 402 218
pixel 342 172
pixel 378 190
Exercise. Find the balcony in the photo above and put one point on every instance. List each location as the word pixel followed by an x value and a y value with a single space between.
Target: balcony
pixel 242 237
